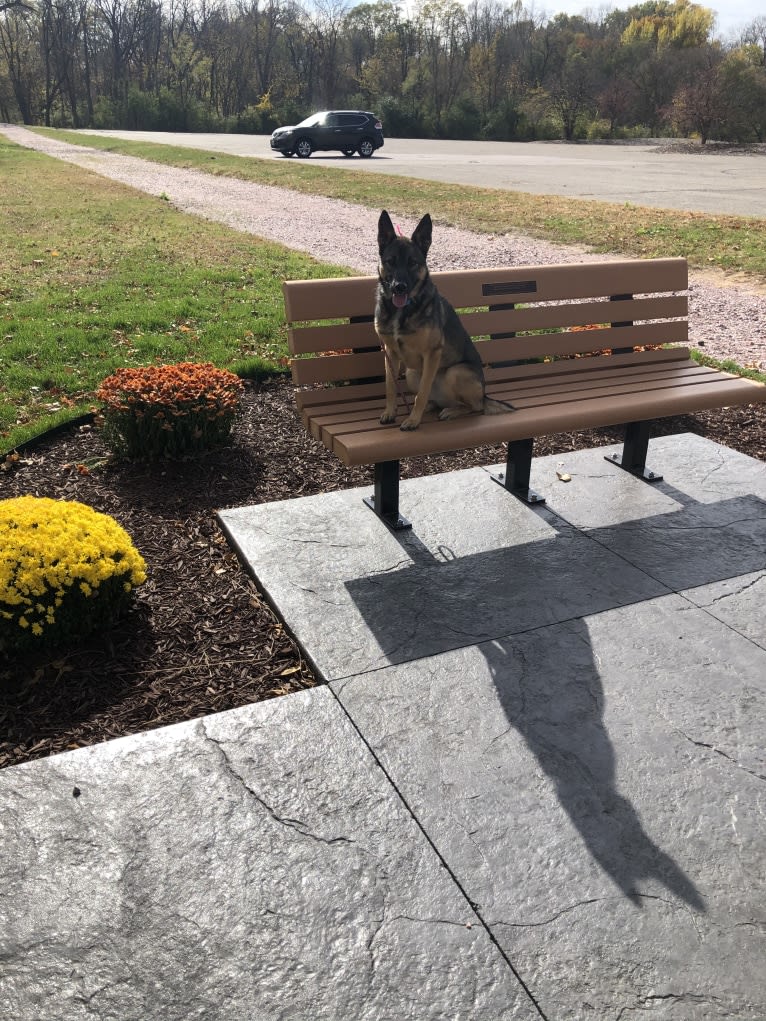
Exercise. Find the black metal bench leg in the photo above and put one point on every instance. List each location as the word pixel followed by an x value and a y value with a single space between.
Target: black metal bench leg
pixel 518 468
pixel 385 499
pixel 634 450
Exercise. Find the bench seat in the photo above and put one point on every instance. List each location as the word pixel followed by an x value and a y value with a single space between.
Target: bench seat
pixel 557 397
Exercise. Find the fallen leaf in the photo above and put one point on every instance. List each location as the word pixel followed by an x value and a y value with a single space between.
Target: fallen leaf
pixel 564 476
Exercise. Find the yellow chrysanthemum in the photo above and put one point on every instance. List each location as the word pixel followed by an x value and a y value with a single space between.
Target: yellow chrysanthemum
pixel 52 551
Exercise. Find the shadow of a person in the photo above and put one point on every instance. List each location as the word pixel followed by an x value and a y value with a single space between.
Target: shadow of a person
pixel 557 705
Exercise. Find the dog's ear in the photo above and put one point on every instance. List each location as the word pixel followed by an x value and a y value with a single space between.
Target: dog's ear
pixel 422 235
pixel 386 232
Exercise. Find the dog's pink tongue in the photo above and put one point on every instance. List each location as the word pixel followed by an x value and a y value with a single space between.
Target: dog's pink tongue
pixel 400 300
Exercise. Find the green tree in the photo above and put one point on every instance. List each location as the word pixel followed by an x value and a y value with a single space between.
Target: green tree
pixel 680 24
pixel 742 80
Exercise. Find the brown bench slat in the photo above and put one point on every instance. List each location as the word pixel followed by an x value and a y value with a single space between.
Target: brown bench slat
pixel 524 393
pixel 641 361
pixel 344 336
pixel 535 393
pixel 307 300
pixel 390 443
pixel 583 313
pixel 585 363
pixel 318 396
pixel 341 367
pixel 337 368
pixel 582 342
pixel 468 288
pixel 336 337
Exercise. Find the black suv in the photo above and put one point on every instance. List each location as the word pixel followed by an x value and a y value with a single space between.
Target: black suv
pixel 348 131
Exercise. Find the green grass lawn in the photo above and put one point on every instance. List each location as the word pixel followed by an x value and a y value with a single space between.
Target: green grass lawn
pixel 97 275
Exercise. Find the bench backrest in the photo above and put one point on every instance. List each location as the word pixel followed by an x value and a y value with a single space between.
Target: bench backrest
pixel 514 314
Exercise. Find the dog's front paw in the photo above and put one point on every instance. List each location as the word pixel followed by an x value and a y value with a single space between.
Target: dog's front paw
pixel 387 417
pixel 409 424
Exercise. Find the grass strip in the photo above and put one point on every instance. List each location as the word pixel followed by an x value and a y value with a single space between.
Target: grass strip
pixel 734 244
pixel 727 365
pixel 98 275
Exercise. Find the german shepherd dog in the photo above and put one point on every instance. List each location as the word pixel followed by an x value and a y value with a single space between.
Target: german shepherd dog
pixel 421 331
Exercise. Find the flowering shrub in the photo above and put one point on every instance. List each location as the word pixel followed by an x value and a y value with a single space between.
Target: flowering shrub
pixel 168 410
pixel 65 570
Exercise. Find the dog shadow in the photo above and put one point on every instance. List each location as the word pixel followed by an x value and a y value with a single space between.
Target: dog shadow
pixel 546 675
pixel 558 710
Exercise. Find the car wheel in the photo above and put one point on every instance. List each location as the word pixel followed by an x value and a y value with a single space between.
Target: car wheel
pixel 348 152
pixel 366 148
pixel 304 148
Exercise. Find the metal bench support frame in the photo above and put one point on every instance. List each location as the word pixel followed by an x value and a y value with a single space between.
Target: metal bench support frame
pixel 515 479
pixel 634 450
pixel 518 468
pixel 385 498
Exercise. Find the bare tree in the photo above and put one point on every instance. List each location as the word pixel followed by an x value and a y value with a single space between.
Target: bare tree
pixel 9 5
pixel 755 35
pixel 18 45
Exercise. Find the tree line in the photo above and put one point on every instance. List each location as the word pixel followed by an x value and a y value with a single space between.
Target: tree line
pixel 485 69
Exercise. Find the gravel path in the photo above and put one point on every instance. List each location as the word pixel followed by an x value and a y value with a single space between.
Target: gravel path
pixel 727 320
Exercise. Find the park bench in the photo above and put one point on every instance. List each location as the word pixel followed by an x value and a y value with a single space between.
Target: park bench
pixel 530 324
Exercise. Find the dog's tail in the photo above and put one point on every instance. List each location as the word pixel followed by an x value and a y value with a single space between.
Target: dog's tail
pixel 493 407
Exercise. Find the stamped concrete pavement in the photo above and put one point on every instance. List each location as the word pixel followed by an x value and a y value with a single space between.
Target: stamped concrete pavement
pixel 532 788
pixel 253 865
pixel 570 699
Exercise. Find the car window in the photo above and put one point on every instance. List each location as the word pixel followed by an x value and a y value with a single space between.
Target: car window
pixel 351 120
pixel 314 121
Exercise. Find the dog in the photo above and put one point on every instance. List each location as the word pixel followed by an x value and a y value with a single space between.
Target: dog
pixel 420 331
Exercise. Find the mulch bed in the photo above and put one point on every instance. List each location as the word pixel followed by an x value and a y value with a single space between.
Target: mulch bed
pixel 202 638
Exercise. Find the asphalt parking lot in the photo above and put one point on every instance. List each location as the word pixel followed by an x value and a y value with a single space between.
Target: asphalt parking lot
pixel 712 182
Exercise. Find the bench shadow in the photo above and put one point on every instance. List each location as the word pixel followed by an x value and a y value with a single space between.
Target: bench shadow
pixel 550 690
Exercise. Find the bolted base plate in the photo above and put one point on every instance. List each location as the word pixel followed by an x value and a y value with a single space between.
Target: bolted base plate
pixel 645 474
pixel 394 521
pixel 527 495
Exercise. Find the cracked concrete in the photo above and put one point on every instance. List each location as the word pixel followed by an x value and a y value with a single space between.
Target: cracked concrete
pixel 295 824
pixel 533 787
pixel 266 851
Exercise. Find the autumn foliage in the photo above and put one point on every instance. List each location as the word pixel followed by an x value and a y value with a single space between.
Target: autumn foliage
pixel 168 410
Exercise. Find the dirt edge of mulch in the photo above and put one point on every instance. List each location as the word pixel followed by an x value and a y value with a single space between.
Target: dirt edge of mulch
pixel 202 638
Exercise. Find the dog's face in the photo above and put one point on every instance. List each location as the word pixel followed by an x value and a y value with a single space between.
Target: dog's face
pixel 402 268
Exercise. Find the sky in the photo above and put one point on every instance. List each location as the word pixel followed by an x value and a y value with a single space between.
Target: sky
pixel 733 15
